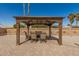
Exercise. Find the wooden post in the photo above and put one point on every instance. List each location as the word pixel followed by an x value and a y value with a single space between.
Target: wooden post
pixel 50 31
pixel 17 32
pixel 28 30
pixel 60 33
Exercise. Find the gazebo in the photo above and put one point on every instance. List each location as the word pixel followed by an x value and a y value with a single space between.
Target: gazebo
pixel 30 20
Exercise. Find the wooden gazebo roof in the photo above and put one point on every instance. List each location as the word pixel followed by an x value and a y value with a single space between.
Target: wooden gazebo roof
pixel 38 17
pixel 38 20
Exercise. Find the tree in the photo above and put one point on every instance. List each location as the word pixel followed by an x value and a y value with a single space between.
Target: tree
pixel 71 19
pixel 77 18
pixel 22 25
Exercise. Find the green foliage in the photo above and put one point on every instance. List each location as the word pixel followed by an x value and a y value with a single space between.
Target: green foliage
pixel 14 26
pixel 77 17
pixel 39 26
pixel 22 25
pixel 71 14
pixel 74 16
pixel 71 21
pixel 77 13
pixel 71 17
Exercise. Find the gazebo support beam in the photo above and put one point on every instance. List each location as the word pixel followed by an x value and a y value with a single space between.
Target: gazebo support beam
pixel 28 30
pixel 60 33
pixel 17 32
pixel 50 32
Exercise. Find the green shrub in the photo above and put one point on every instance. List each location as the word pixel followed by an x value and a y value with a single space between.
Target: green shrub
pixel 22 25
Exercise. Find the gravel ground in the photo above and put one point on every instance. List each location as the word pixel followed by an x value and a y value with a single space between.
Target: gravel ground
pixel 50 48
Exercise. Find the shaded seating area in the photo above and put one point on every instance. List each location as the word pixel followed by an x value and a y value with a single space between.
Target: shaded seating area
pixel 36 36
pixel 31 20
pixel 43 37
pixel 33 36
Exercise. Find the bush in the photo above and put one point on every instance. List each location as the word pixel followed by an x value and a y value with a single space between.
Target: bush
pixel 39 26
pixel 22 25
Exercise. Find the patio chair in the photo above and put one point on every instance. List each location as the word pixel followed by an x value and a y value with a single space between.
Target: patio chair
pixel 38 33
pixel 27 37
pixel 33 37
pixel 43 37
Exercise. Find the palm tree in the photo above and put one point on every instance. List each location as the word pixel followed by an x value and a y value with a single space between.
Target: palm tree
pixel 77 19
pixel 24 9
pixel 71 19
pixel 28 9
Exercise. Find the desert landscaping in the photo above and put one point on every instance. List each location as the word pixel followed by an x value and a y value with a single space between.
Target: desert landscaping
pixel 8 45
pixel 45 31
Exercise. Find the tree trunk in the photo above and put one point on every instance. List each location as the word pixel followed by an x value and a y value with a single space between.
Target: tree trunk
pixel 24 9
pixel 76 26
pixel 28 9
pixel 70 29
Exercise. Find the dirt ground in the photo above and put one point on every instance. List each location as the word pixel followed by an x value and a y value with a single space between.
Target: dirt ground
pixel 50 48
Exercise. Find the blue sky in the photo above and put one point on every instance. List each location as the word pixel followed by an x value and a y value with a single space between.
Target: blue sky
pixel 8 10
